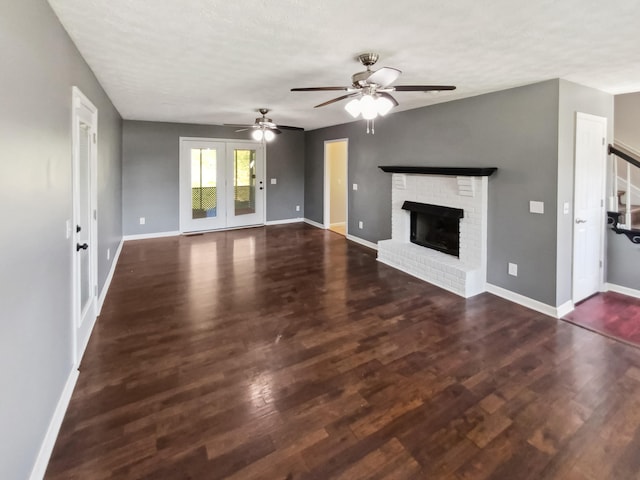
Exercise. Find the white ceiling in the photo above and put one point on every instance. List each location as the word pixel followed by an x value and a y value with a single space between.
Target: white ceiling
pixel 217 61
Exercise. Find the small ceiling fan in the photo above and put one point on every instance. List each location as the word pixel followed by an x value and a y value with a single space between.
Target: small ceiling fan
pixel 370 90
pixel 263 128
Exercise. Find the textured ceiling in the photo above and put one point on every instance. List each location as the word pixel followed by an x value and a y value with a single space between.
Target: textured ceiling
pixel 217 61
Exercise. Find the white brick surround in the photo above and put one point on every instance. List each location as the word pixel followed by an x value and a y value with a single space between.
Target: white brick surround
pixel 466 275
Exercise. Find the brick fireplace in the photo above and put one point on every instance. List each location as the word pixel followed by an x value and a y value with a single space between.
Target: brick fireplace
pixel 464 190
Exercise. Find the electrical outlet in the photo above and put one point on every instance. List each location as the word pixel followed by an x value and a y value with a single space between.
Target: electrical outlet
pixel 143 220
pixel 274 181
pixel 360 224
pixel 108 253
pixel 297 208
pixel 355 186
pixel 513 269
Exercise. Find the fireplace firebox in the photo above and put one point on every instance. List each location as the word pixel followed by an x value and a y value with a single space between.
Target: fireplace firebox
pixel 435 226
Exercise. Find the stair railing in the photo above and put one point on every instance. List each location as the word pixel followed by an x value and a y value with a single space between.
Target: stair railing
pixel 632 159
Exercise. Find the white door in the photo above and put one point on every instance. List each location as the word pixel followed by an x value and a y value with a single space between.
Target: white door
pixel 221 184
pixel 85 117
pixel 202 185
pixel 589 222
pixel 245 175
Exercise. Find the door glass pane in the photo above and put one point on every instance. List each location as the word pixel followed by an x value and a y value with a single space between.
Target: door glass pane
pixel 204 200
pixel 244 181
pixel 85 215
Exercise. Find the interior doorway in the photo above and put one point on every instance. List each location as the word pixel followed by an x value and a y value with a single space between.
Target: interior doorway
pixel 336 185
pixel 84 229
pixel 589 221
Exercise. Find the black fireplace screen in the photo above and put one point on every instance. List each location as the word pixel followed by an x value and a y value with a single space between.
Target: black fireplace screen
pixel 435 226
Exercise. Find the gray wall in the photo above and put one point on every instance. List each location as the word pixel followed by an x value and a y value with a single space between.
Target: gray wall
pixel 40 65
pixel 623 257
pixel 151 173
pixel 515 130
pixel 573 98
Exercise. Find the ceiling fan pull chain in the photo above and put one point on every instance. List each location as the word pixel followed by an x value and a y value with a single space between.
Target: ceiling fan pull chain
pixel 367 126
pixel 373 127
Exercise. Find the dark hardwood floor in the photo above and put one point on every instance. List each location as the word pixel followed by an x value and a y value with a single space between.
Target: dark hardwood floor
pixel 287 352
pixel 611 314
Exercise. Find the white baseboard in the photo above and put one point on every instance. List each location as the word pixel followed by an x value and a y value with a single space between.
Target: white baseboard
pixel 313 224
pixel 107 282
pixel 362 241
pixel 565 308
pixel 611 287
pixel 555 312
pixel 144 236
pixel 286 220
pixel 46 448
pixel 339 224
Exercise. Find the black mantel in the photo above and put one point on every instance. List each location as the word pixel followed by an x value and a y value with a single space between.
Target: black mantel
pixel 455 171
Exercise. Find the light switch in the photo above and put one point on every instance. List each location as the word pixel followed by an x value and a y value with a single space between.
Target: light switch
pixel 355 186
pixel 274 181
pixel 565 208
pixel 536 207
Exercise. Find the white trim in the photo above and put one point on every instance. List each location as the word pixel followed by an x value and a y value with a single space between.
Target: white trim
pixel 564 309
pixel 107 282
pixel 555 312
pixel 314 224
pixel 49 441
pixel 286 220
pixel 362 241
pixel 144 236
pixel 339 224
pixel 610 287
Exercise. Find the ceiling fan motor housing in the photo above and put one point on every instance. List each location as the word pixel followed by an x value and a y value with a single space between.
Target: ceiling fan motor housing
pixel 367 59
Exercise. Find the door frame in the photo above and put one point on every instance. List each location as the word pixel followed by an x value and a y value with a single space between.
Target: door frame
pixel 261 148
pixel 602 216
pixel 82 107
pixel 326 218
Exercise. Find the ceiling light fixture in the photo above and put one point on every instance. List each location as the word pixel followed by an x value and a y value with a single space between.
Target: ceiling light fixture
pixel 369 106
pixel 260 134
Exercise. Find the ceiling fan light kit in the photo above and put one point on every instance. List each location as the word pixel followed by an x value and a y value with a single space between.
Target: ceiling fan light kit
pixel 370 91
pixel 263 129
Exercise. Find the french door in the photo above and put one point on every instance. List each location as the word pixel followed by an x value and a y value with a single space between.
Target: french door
pixel 221 184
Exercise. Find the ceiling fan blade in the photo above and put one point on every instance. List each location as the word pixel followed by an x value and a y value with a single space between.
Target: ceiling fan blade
pixel 277 131
pixel 242 130
pixel 384 76
pixel 287 127
pixel 386 95
pixel 342 97
pixel 422 88
pixel 238 125
pixel 318 89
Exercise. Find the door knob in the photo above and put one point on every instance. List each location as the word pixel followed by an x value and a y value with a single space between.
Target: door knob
pixel 79 247
pixel 580 220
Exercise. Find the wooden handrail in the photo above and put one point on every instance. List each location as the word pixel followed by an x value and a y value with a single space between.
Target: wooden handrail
pixel 624 154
